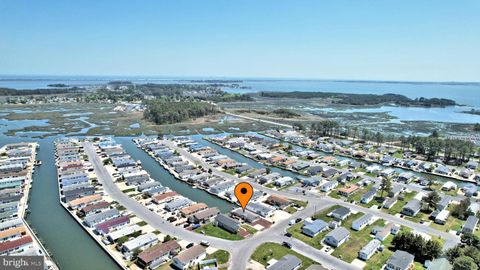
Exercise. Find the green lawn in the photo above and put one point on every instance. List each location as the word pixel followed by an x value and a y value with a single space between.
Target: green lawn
pixel 452 223
pixel 221 255
pixel 348 251
pixel 334 194
pixel 296 229
pixel 397 208
pixel 215 231
pixel 268 251
pixel 249 229
pixel 290 209
pixel 357 196
pixel 300 203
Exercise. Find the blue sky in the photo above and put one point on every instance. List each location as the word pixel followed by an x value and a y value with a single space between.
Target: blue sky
pixel 382 40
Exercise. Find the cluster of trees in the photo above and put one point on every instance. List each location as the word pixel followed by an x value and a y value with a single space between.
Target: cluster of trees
pixel 53 91
pixel 285 113
pixel 334 129
pixel 431 146
pixel 415 244
pixel 461 210
pixel 476 127
pixel 167 112
pixel 363 99
pixel 227 97
pixel 431 200
pixel 466 255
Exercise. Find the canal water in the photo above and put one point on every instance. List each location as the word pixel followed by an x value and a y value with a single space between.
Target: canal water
pixel 69 245
pixel 160 174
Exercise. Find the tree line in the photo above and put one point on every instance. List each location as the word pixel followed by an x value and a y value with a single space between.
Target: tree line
pixel 430 146
pixel 162 111
pixel 364 99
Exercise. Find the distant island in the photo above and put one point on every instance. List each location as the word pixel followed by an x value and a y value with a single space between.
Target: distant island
pixel 364 99
pixel 472 111
pixel 57 85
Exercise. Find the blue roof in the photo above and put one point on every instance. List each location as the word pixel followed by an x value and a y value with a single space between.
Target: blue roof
pixel 316 225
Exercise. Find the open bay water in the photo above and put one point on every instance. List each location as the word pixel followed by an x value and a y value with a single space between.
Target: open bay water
pixel 462 93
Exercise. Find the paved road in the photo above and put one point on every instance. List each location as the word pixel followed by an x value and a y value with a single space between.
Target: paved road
pixel 259 120
pixel 240 250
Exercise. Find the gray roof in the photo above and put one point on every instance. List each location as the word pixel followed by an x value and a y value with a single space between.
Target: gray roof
pixel 315 226
pixel 287 262
pixel 414 205
pixel 227 221
pixel 363 219
pixel 96 218
pixel 316 267
pixel 245 215
pixel 339 233
pixel 148 185
pixel 178 203
pixel 471 223
pixel 369 194
pixel 371 246
pixel 341 211
pixel 401 259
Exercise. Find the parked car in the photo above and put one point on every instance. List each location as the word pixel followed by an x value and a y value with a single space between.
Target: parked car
pixel 190 245
pixel 288 234
pixel 204 243
pixel 287 245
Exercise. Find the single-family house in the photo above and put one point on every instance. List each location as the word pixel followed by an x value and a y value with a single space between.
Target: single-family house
pixel 158 254
pixel 412 207
pixel 141 242
pixel 368 250
pixel 362 222
pixel 368 197
pixel 348 190
pixel 341 213
pixel 326 187
pixel 400 260
pixel 337 237
pixel 189 257
pixel 287 262
pixel 470 225
pixel 449 186
pixel 315 227
pixel 229 224
pixel 442 216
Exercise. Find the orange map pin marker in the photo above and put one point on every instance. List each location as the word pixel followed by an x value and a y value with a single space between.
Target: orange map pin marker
pixel 243 192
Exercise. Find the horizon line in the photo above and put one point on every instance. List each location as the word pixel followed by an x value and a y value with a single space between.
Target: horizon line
pixel 213 77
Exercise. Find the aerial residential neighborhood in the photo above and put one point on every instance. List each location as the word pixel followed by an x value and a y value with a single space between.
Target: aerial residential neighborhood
pixel 239 135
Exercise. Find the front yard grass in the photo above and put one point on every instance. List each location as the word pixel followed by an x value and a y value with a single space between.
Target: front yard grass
pixel 221 255
pixel 249 229
pixel 218 232
pixel 290 209
pixel 296 229
pixel 348 251
pixel 300 203
pixel 268 251
pixel 397 207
